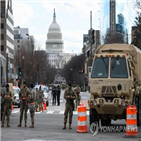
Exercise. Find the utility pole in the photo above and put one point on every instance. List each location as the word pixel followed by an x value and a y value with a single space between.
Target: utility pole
pixel 90 33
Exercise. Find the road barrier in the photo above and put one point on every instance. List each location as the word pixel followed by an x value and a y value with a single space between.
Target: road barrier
pixel 82 119
pixel 131 121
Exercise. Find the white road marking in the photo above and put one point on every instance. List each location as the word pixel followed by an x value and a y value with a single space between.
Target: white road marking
pixel 13 112
pixel 37 112
pixel 61 112
pixel 75 112
pixel 87 112
pixel 50 112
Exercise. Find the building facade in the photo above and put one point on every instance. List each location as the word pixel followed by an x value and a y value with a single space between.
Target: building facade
pixel 7 36
pixel 115 19
pixel 55 46
pixel 94 46
pixel 85 39
pixel 21 38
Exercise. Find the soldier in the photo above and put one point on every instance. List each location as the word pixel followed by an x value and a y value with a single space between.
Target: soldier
pixel 78 97
pixel 54 95
pixel 69 95
pixel 23 96
pixel 41 98
pixel 31 101
pixel 58 95
pixel 36 101
pixel 6 99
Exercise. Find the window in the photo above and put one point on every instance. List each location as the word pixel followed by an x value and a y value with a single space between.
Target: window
pixel 2 25
pixel 18 46
pixel 118 68
pixel 2 36
pixel 100 68
pixel 18 41
pixel 2 47
pixel 2 15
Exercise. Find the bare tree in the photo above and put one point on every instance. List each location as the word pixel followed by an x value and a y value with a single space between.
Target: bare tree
pixel 34 64
pixel 71 70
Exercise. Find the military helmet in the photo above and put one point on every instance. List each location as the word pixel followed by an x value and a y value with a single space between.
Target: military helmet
pixel 7 85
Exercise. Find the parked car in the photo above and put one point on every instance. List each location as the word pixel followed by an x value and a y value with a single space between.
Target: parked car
pixel 45 92
pixel 16 96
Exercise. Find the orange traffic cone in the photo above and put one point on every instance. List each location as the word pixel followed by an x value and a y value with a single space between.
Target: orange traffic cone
pixel 12 107
pixel 45 107
pixel 82 118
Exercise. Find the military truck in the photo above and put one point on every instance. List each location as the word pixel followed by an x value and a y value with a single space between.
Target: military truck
pixel 115 82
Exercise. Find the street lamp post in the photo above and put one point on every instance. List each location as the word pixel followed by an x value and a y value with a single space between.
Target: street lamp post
pixel 7 51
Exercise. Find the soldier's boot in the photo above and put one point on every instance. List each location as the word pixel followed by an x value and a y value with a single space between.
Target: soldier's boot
pixel 64 126
pixel 2 125
pixel 25 124
pixel 19 125
pixel 70 126
pixel 8 125
pixel 32 126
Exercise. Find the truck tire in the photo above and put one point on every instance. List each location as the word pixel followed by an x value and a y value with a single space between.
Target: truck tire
pixel 138 104
pixel 93 116
pixel 0 114
pixel 105 122
pixel 18 105
pixel 47 103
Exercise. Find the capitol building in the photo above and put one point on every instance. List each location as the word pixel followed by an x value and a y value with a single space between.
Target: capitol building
pixel 55 46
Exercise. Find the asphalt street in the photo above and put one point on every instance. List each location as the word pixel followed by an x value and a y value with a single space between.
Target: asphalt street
pixel 48 127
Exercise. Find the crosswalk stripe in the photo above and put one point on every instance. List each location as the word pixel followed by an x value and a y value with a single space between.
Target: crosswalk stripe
pixel 87 112
pixel 61 112
pixel 13 112
pixel 50 112
pixel 75 113
pixel 37 112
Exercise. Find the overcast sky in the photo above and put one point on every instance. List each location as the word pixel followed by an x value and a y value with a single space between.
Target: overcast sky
pixel 73 16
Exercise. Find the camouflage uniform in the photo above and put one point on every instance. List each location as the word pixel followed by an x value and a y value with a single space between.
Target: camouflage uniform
pixel 36 101
pixel 68 106
pixel 40 99
pixel 78 97
pixel 6 99
pixel 31 100
pixel 23 96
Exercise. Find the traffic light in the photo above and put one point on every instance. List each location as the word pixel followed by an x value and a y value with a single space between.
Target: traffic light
pixel 83 69
pixel 92 36
pixel 20 71
pixel 79 72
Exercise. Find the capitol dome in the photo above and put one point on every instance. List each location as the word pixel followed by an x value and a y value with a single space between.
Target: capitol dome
pixel 54 41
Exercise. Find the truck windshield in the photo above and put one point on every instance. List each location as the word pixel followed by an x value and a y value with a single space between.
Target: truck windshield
pixel 118 68
pixel 100 68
